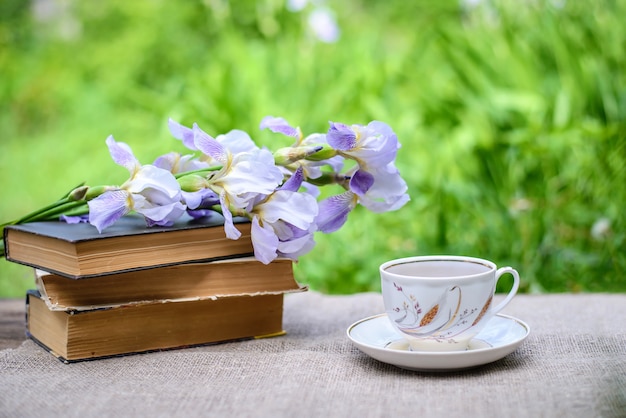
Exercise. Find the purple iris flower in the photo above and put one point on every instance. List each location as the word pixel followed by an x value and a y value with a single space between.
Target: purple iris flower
pixel 373 147
pixel 242 178
pixel 150 191
pixel 375 179
pixel 283 225
pixel 388 192
pixel 283 222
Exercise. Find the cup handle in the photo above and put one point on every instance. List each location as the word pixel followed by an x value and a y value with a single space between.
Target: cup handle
pixel 513 292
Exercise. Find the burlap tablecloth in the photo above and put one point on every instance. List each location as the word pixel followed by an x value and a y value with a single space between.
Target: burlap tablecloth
pixel 572 365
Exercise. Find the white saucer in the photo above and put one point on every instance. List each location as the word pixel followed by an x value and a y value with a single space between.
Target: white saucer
pixel 376 337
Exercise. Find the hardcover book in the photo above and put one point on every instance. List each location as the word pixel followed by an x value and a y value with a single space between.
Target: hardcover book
pixel 79 250
pixel 240 276
pixel 129 329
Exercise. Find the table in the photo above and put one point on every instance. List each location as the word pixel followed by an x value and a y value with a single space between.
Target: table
pixel 573 364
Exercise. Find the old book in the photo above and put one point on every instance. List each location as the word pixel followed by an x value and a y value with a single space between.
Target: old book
pixel 129 329
pixel 78 250
pixel 240 276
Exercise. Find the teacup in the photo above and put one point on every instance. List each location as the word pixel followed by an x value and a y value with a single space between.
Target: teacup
pixel 439 303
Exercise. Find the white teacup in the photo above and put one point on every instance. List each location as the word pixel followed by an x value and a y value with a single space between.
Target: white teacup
pixel 439 303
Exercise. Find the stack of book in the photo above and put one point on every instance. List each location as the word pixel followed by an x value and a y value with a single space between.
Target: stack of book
pixel 134 289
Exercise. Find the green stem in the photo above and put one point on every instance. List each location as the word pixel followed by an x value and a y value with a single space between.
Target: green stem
pixel 200 171
pixel 40 211
pixel 217 208
pixel 51 212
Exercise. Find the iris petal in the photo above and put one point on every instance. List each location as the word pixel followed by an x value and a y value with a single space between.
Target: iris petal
pixel 183 133
pixel 209 146
pixel 294 182
pixel 237 141
pixel 74 219
pixel 341 137
pixel 122 154
pixel 298 209
pixel 251 173
pixel 333 211
pixel 361 182
pixel 388 193
pixel 279 125
pixel 163 215
pixel 151 177
pixel 204 198
pixel 107 208
pixel 296 247
pixel 229 226
pixel 265 242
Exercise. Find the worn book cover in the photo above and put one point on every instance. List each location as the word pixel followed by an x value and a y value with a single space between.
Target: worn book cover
pixel 79 250
pixel 130 329
pixel 195 281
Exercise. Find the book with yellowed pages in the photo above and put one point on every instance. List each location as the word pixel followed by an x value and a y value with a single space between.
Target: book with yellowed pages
pixel 240 276
pixel 138 328
pixel 79 250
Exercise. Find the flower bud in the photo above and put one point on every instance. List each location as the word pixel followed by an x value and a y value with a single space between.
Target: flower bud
pixel 78 193
pixel 192 183
pixel 325 152
pixel 288 155
pixel 330 178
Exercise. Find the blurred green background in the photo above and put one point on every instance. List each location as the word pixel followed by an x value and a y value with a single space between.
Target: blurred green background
pixel 511 116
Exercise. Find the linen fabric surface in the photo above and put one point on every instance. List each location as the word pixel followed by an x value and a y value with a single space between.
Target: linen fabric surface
pixel 573 364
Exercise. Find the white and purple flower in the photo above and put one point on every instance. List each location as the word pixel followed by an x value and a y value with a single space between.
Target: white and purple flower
pixel 283 223
pixel 374 182
pixel 241 179
pixel 150 191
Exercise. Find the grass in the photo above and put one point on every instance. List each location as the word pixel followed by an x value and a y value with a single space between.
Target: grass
pixel 511 117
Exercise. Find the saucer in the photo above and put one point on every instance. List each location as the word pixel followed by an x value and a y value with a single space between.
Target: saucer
pixel 376 337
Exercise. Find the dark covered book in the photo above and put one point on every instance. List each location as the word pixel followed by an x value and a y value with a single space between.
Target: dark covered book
pixel 129 329
pixel 79 250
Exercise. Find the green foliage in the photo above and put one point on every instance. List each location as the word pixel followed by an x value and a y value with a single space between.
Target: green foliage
pixel 511 116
